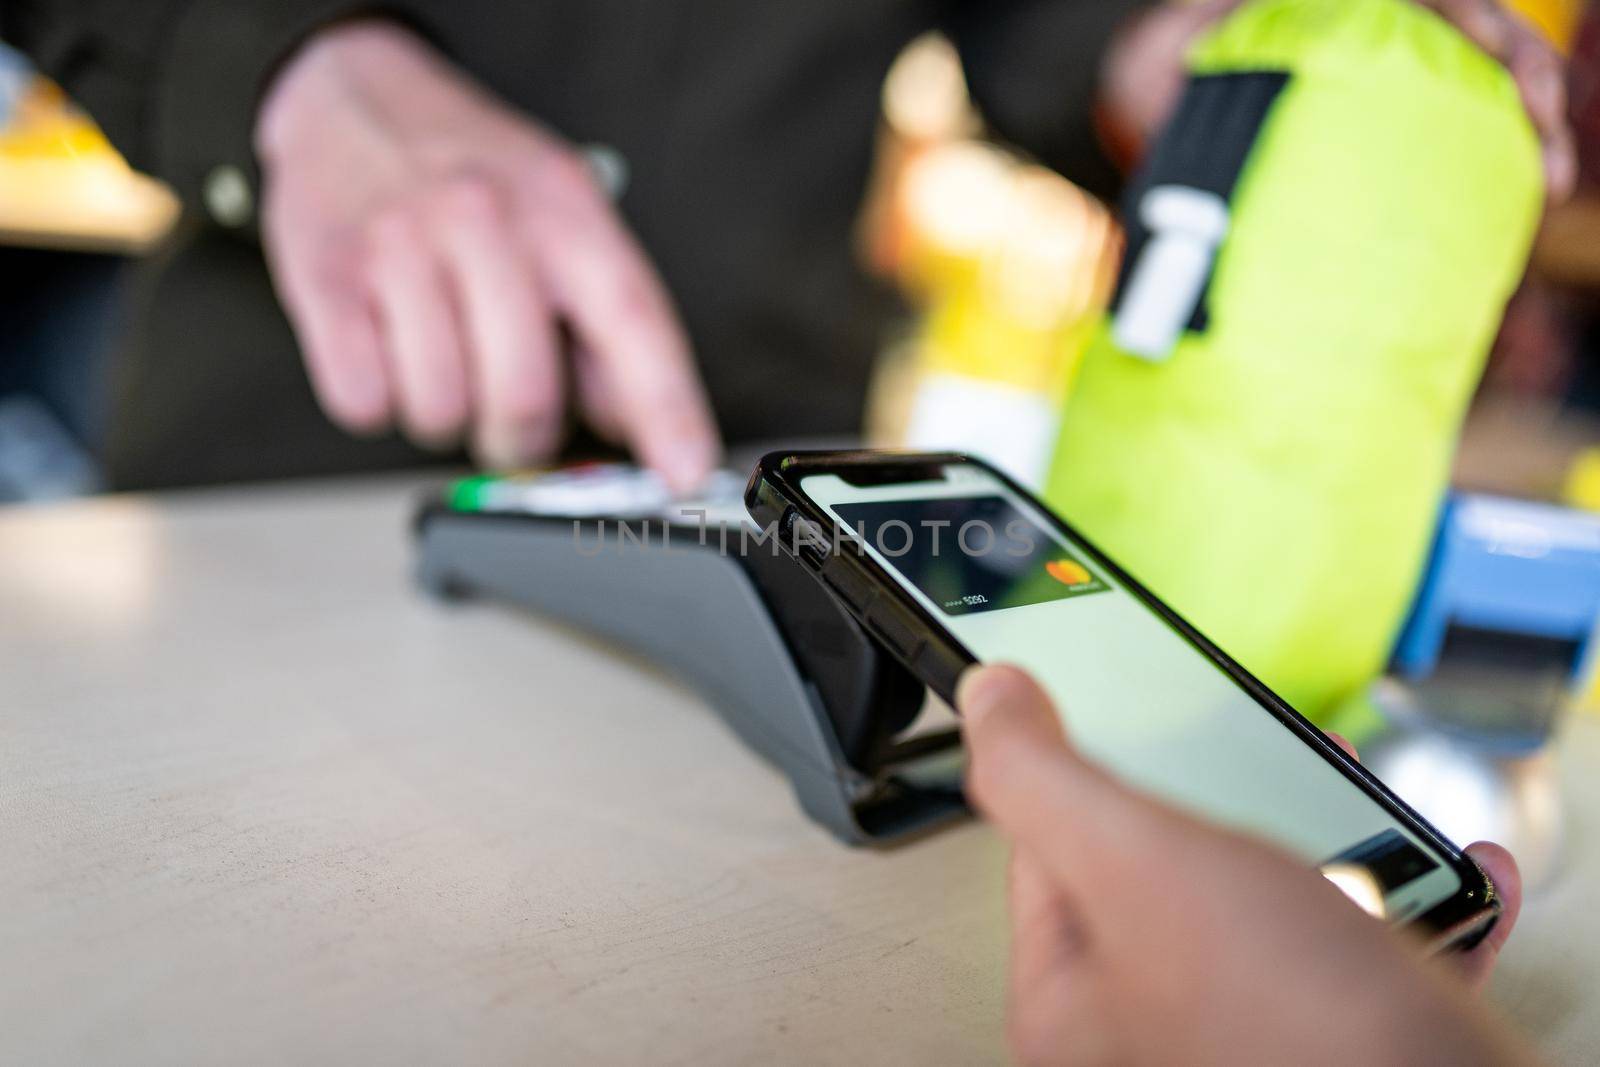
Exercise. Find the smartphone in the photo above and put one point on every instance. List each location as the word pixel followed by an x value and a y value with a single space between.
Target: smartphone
pixel 948 563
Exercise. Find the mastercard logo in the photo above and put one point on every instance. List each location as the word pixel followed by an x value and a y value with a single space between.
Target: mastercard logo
pixel 1068 572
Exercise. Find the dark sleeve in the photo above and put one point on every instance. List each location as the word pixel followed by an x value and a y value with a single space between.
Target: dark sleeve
pixel 174 83
pixel 1033 67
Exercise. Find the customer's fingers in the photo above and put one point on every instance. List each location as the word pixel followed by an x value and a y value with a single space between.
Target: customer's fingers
pixel 600 279
pixel 427 359
pixel 1541 77
pixel 1344 743
pixel 1057 992
pixel 517 384
pixel 1047 934
pixel 320 284
pixel 1501 867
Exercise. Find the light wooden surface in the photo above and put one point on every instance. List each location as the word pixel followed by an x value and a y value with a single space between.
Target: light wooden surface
pixel 262 802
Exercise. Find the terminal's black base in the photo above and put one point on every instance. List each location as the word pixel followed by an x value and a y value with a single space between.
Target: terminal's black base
pixel 793 675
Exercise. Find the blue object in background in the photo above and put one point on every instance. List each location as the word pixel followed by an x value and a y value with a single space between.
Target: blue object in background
pixel 39 459
pixel 56 327
pixel 1510 567
pixel 15 76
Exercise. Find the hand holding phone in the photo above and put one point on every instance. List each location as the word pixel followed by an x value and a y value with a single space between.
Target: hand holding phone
pixel 950 563
pixel 1263 962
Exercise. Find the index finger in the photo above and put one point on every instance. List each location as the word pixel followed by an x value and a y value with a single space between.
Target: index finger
pixel 613 298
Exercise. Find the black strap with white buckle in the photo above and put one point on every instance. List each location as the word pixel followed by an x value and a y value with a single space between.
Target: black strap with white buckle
pixel 1177 212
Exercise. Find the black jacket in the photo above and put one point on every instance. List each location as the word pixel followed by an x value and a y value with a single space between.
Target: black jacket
pixel 748 128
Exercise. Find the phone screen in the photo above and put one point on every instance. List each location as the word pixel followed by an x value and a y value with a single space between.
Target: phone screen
pixel 1134 693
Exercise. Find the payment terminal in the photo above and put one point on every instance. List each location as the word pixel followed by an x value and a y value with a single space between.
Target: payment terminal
pixel 694 587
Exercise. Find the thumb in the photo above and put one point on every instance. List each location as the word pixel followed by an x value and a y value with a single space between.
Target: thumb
pixel 1092 833
pixel 1008 718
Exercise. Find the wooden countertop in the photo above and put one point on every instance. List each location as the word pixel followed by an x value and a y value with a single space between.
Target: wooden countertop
pixel 261 801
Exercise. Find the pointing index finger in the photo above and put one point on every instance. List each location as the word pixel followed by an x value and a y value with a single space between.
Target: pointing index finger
pixel 602 281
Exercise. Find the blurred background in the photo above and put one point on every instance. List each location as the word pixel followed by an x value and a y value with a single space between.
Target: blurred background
pixel 993 254
pixel 1003 267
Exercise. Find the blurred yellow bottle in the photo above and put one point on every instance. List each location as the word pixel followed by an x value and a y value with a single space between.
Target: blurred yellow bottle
pixel 1009 261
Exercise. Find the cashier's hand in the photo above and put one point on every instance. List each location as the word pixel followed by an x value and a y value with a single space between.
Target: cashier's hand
pixel 1143 74
pixel 1141 935
pixel 431 247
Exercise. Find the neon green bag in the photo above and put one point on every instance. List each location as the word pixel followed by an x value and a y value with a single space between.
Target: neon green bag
pixel 1320 252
